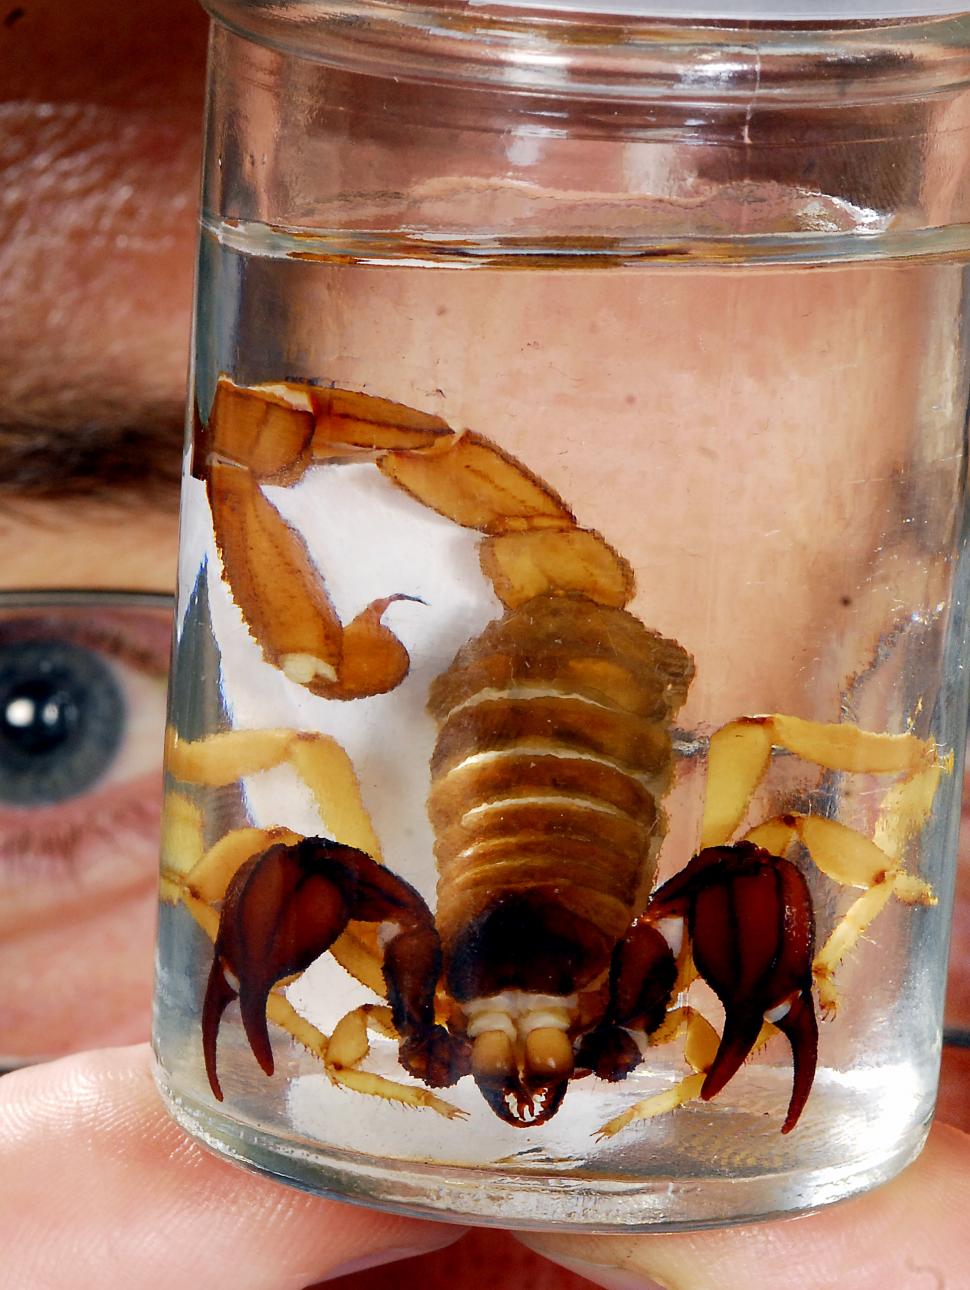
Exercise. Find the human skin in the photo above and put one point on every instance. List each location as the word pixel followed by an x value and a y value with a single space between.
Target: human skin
pixel 101 127
pixel 100 158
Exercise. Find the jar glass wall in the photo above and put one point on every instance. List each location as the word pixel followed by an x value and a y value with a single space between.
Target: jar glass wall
pixel 568 688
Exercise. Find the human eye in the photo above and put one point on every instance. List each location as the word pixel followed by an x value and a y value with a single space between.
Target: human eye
pixel 82 715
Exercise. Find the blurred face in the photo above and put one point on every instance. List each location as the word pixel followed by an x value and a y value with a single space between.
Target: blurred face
pixel 101 136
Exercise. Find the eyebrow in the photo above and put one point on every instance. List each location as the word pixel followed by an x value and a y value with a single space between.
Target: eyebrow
pixel 104 454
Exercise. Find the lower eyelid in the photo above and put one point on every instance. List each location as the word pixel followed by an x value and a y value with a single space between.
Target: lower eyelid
pixel 103 842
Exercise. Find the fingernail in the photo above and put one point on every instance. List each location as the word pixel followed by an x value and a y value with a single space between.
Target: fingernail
pixel 613 1278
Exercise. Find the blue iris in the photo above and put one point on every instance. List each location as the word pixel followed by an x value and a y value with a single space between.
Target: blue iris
pixel 62 718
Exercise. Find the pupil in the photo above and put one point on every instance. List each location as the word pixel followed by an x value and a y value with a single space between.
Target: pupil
pixel 38 716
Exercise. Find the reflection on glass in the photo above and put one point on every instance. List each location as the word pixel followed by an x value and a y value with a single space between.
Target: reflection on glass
pixel 957 1022
pixel 82 714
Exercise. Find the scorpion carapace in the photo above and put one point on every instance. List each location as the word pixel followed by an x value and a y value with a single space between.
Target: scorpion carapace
pixel 549 957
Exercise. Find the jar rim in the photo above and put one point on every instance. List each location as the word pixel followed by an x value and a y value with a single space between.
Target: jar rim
pixel 575 56
pixel 811 12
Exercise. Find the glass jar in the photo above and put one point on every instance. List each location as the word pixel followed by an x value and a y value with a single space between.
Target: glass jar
pixel 569 693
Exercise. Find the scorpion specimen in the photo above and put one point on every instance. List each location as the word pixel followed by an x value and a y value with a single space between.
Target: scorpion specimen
pixel 549 954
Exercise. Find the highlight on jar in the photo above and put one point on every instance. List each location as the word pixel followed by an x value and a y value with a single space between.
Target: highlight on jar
pixel 467 832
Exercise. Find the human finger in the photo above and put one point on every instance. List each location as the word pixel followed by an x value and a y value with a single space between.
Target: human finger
pixel 911 1234
pixel 100 1188
pixel 953 1102
pixel 484 1259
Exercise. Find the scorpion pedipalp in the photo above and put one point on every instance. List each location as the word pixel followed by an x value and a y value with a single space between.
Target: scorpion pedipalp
pixel 279 914
pixel 643 973
pixel 286 907
pixel 752 931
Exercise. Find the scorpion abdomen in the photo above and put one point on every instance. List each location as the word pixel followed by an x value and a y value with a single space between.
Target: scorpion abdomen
pixel 552 758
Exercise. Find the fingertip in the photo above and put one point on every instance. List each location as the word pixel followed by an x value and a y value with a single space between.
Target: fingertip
pixel 910 1232
pixel 101 1188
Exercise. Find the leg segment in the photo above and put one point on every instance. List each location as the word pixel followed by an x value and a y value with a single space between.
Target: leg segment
pixel 349 1045
pixel 700 1047
pixel 740 753
pixel 329 775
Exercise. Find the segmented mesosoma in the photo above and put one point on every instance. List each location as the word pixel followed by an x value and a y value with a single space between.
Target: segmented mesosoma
pixel 553 756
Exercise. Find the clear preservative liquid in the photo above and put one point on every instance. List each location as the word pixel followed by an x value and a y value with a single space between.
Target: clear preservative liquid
pixel 618 497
